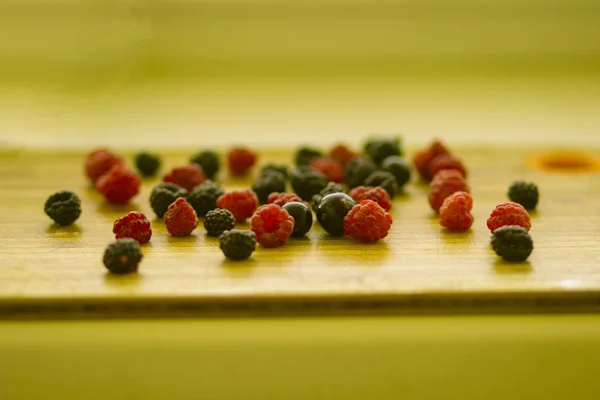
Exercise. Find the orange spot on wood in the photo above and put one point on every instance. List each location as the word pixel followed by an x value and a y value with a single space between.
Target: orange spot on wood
pixel 567 162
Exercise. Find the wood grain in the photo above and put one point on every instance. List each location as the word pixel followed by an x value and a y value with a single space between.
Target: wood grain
pixel 51 271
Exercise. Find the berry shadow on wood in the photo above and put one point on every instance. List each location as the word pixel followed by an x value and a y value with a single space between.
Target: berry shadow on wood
pixel 457 241
pixel 534 213
pixel 512 268
pixel 114 211
pixel 211 239
pixel 183 241
pixel 452 237
pixel 347 252
pixel 74 230
pixel 123 280
pixel 402 195
pixel 239 267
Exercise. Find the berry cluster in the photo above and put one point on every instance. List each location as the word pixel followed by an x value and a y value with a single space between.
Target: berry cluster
pixel 376 194
pixel 204 197
pixel 282 199
pixel 134 225
pixel 270 181
pixel 180 219
pixel 240 160
pixel 509 213
pixel 373 177
pixel 187 176
pixel 63 207
pixel 331 168
pixel 367 222
pixel 241 203
pixel 147 164
pixel 510 224
pixel 119 184
pixel 422 159
pixel 445 183
pixel 446 172
pixel 455 212
pixel 272 225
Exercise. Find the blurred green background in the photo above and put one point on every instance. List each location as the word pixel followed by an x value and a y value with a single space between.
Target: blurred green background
pixel 238 69
pixel 96 42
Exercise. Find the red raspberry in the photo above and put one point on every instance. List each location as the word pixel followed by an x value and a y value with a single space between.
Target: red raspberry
pixel 377 194
pixel 272 225
pixel 181 218
pixel 423 158
pixel 367 222
pixel 119 184
pixel 241 203
pixel 240 160
pixel 444 183
pixel 342 154
pixel 188 176
pixel 99 161
pixel 283 198
pixel 329 167
pixel 509 213
pixel 455 212
pixel 133 225
pixel 446 161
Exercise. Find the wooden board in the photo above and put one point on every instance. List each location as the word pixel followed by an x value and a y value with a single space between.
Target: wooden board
pixel 420 268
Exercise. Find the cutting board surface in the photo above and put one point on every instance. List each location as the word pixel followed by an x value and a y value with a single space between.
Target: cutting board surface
pixel 45 269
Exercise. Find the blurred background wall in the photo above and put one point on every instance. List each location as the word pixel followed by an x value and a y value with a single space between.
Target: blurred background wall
pixel 194 72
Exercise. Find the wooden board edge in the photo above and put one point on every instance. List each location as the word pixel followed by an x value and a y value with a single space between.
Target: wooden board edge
pixel 314 305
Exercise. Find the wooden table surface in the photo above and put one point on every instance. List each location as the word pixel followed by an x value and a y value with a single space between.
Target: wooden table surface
pixel 419 268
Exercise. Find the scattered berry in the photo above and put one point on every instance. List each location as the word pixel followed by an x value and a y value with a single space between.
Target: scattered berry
pixel 204 197
pixel 509 213
pixel 367 222
pixel 358 170
pixel 147 164
pixel 423 158
pixel 272 225
pixel 188 176
pixel 63 207
pixel 123 256
pixel 209 161
pixel 331 187
pixel 512 243
pixel 399 168
pixel 331 212
pixel 303 218
pixel 240 160
pixel 283 198
pixel 446 182
pixel 455 213
pixel 383 179
pixel 342 154
pixel 163 195
pixel 329 167
pixel 381 148
pixel 237 244
pixel 119 184
pixel 180 218
pixel 524 193
pixel 307 182
pixel 241 203
pixel 304 155
pixel 218 221
pixel 446 161
pixel 376 194
pixel 99 161
pixel 134 225
pixel 282 169
pixel 268 183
